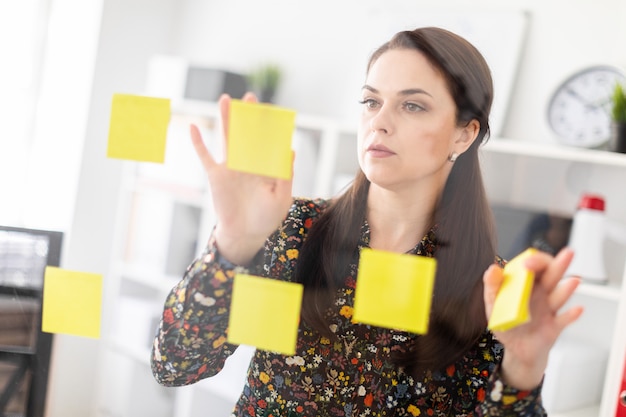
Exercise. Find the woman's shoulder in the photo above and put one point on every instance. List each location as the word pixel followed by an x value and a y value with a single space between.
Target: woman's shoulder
pixel 302 214
pixel 303 207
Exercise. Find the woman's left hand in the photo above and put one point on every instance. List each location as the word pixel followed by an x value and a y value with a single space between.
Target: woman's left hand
pixel 526 347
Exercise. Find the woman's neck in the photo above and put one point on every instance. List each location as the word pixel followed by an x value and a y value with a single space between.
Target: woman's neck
pixel 398 221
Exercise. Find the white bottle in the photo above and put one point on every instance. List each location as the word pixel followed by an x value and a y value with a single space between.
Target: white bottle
pixel 587 240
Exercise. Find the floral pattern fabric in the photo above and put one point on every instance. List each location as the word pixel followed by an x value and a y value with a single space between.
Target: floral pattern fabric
pixel 351 376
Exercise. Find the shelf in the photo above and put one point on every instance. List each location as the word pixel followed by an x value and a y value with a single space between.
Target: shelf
pixel 191 196
pixel 227 384
pixel 20 291
pixel 195 108
pixel 142 356
pixel 188 195
pixel 146 276
pixel 606 292
pixel 305 121
pixel 556 152
pixel 17 350
pixel 583 412
pixel 210 110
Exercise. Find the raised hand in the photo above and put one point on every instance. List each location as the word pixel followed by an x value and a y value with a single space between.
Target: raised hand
pixel 526 347
pixel 248 207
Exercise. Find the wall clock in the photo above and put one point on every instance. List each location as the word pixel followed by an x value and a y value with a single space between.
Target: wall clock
pixel 579 109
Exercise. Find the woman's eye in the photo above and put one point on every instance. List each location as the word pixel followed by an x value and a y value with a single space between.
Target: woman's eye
pixel 369 103
pixel 412 107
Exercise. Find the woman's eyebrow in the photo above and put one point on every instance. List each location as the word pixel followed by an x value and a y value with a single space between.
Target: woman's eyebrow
pixel 370 88
pixel 406 92
pixel 410 91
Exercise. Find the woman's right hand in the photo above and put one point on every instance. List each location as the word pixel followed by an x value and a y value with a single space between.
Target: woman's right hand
pixel 248 207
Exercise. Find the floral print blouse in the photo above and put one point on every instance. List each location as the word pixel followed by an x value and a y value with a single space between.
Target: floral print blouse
pixel 352 376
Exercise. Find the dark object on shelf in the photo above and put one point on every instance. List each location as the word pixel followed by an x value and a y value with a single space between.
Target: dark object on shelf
pixel 617 143
pixel 519 228
pixel 24 349
pixel 208 84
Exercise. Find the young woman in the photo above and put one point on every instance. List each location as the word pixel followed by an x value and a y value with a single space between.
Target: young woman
pixel 426 102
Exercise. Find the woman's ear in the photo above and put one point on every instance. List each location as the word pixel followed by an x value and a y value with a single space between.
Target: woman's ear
pixel 467 136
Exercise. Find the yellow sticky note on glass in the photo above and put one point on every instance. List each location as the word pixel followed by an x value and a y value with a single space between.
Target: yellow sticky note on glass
pixel 394 290
pixel 72 302
pixel 259 139
pixel 511 305
pixel 138 128
pixel 265 313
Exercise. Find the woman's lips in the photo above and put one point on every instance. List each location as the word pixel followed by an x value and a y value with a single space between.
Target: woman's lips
pixel 379 151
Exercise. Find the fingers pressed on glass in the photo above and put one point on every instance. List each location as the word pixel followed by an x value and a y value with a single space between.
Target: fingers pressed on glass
pixel 201 150
pixel 224 108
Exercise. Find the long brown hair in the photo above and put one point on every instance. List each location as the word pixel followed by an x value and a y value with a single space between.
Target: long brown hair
pixel 465 231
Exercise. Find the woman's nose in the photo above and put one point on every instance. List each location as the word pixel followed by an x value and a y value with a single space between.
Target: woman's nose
pixel 381 121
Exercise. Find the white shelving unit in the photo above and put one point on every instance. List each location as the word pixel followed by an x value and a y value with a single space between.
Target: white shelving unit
pixel 171 203
pixel 163 222
pixel 552 178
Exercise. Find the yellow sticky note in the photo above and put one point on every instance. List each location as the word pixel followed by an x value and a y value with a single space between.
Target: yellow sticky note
pixel 259 139
pixel 72 302
pixel 394 290
pixel 265 313
pixel 138 128
pixel 511 306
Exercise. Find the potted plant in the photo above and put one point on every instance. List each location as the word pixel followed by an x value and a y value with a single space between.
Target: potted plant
pixel 618 118
pixel 264 81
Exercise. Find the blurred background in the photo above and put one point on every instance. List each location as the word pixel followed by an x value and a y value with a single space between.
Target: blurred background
pixel 62 60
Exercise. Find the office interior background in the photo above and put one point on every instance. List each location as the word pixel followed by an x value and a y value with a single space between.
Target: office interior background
pixel 64 59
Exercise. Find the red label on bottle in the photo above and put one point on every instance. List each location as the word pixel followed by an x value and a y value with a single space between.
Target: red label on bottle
pixel 591 202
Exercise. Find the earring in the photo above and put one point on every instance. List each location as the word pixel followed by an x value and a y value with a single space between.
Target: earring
pixel 453 156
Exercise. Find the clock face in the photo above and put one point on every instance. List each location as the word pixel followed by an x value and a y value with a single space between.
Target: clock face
pixel 580 109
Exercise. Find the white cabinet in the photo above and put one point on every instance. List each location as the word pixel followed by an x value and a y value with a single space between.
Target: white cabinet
pixel 160 223
pixel 551 179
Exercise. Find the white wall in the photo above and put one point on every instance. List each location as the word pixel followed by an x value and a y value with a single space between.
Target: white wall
pixel 322 45
pixel 130 33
